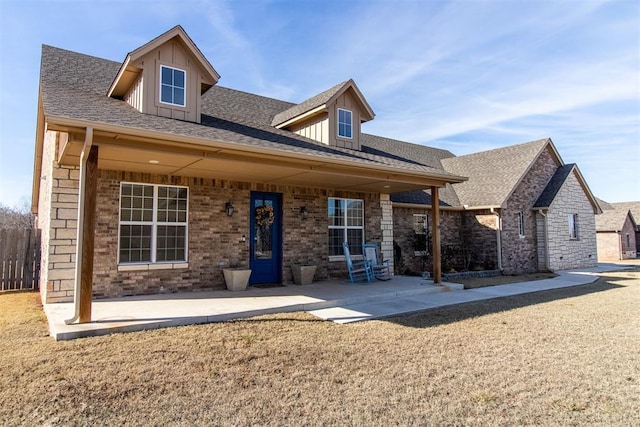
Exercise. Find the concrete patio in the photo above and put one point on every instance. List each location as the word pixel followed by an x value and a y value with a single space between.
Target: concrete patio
pixel 337 301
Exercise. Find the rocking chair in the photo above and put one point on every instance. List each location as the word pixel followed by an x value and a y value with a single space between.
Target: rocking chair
pixel 360 271
pixel 381 269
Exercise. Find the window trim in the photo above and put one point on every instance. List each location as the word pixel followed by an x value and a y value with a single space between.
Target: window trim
pixel 345 227
pixel 154 230
pixel 184 105
pixel 574 231
pixel 350 124
pixel 521 227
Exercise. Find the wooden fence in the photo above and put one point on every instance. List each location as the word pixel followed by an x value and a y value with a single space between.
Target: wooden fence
pixel 19 259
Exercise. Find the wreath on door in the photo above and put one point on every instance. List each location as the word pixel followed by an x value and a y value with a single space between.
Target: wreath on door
pixel 264 215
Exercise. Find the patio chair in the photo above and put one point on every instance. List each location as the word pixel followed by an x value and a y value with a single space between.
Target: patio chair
pixel 360 271
pixel 381 269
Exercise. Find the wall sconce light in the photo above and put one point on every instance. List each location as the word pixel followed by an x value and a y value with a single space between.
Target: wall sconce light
pixel 304 213
pixel 229 208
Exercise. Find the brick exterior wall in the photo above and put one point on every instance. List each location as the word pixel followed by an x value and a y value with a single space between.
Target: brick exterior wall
pixel 628 246
pixel 57 219
pixel 404 237
pixel 520 254
pixel 612 246
pixel 566 253
pixel 480 236
pixel 215 240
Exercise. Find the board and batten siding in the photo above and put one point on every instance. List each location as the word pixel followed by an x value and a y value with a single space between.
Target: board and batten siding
pixel 345 101
pixel 135 94
pixel 316 128
pixel 173 54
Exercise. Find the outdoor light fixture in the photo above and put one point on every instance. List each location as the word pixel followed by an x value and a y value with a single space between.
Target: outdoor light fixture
pixel 304 213
pixel 229 208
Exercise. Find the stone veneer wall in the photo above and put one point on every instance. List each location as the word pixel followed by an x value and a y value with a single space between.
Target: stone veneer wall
pixel 566 253
pixel 57 219
pixel 215 239
pixel 520 254
pixel 386 224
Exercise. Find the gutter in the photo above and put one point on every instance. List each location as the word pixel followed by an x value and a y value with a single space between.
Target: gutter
pixel 88 142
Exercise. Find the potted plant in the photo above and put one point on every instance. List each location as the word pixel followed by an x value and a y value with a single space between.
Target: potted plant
pixel 303 274
pixel 236 278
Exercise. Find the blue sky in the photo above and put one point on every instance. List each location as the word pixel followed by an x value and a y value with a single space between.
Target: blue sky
pixel 464 76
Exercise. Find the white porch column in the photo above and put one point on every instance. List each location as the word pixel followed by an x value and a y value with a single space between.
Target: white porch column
pixel 386 224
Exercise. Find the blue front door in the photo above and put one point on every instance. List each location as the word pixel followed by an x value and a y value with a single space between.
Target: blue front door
pixel 266 238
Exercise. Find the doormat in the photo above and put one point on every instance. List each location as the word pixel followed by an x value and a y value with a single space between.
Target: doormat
pixel 268 285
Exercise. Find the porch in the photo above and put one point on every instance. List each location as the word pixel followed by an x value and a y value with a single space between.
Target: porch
pixel 136 313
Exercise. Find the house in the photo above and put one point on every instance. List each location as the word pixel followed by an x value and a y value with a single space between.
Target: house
pixel 634 208
pixel 616 232
pixel 521 210
pixel 149 177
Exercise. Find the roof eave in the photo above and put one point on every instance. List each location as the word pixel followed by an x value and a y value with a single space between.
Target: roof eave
pixel 440 179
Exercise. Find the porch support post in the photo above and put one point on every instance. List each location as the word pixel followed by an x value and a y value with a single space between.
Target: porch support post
pixel 435 235
pixel 88 233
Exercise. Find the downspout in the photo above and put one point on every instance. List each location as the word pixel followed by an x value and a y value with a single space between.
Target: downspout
pixel 498 237
pixel 546 241
pixel 88 142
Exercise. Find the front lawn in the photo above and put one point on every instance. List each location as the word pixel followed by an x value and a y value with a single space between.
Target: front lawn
pixel 563 357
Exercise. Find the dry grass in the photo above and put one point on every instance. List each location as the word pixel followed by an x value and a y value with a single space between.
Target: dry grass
pixel 481 282
pixel 564 357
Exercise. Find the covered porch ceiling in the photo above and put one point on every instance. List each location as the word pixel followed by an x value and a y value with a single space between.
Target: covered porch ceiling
pixel 130 153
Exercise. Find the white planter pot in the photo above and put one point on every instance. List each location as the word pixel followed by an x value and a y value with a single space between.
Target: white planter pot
pixel 236 279
pixel 303 274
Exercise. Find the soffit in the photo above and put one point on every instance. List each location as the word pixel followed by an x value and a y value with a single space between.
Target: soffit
pixel 227 164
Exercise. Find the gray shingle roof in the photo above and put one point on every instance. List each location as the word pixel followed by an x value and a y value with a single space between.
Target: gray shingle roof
pixel 634 207
pixel 492 174
pixel 74 86
pixel 612 219
pixel 408 152
pixel 614 214
pixel 308 105
pixel 553 186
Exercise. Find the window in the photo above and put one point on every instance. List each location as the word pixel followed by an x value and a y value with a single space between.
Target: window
pixel 344 123
pixel 420 224
pixel 346 224
pixel 153 223
pixel 628 241
pixel 421 235
pixel 521 223
pixel 172 86
pixel 573 226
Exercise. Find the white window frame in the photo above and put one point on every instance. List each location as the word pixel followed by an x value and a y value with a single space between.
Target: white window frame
pixel 154 223
pixel 350 124
pixel 172 86
pixel 521 229
pixel 574 232
pixel 346 225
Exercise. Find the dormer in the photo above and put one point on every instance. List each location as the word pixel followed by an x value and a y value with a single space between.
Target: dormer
pixel 332 117
pixel 165 77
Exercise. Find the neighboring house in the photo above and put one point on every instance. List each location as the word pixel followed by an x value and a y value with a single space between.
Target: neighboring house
pixel 616 231
pixel 176 178
pixel 150 178
pixel 521 210
pixel 634 207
